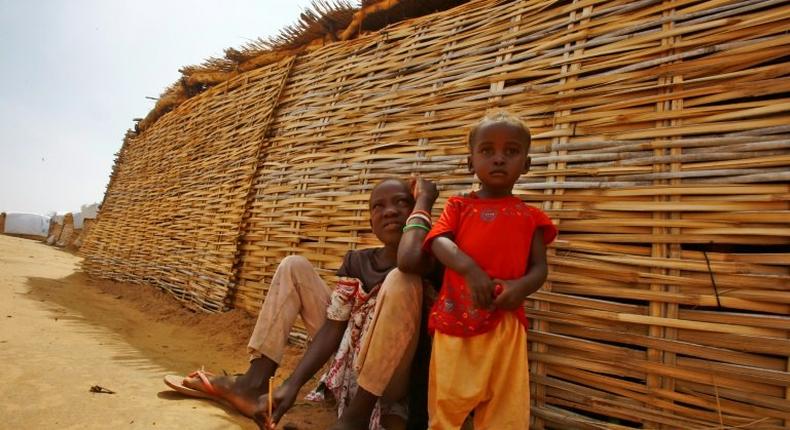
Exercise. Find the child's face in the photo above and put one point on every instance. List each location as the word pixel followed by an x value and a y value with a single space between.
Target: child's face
pixel 390 205
pixel 499 156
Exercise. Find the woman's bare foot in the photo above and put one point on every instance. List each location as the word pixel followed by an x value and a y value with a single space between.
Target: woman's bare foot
pixel 393 422
pixel 344 424
pixel 236 390
pixel 241 391
pixel 357 415
pixel 389 422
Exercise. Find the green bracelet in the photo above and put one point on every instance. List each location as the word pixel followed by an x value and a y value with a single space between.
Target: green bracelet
pixel 410 226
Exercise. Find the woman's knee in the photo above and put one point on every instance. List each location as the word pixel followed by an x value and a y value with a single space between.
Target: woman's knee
pixel 401 284
pixel 295 262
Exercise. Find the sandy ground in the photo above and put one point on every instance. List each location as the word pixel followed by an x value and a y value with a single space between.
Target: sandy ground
pixel 61 333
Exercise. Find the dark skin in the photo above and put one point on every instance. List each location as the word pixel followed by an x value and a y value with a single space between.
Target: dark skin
pixel 410 257
pixel 498 157
pixel 357 415
pixel 390 204
pixel 240 391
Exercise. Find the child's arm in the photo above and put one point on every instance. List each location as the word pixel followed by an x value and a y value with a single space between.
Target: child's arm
pixel 516 290
pixel 411 257
pixel 480 285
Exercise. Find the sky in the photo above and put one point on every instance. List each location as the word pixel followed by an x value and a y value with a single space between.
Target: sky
pixel 74 73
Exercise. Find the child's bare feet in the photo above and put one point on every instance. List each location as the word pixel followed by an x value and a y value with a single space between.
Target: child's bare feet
pixel 239 391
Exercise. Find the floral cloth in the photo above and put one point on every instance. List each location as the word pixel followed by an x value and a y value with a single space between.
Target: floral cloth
pixel 349 302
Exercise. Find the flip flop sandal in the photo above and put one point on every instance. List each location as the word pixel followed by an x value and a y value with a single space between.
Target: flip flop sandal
pixel 176 382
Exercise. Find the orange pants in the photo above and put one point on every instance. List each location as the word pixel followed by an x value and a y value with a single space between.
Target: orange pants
pixel 487 373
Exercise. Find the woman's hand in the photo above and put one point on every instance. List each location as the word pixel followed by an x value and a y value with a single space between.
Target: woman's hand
pixel 425 193
pixel 283 399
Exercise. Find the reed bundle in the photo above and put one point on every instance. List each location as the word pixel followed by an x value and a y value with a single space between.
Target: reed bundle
pixel 87 226
pixel 67 232
pixel 661 146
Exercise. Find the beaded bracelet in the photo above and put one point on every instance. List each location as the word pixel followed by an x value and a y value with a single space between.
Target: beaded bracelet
pixel 411 226
pixel 419 216
pixel 420 211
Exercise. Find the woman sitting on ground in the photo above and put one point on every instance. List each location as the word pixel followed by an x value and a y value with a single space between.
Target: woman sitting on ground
pixel 370 323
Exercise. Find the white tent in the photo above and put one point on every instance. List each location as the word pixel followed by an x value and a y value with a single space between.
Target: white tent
pixel 86 212
pixel 32 224
pixel 89 211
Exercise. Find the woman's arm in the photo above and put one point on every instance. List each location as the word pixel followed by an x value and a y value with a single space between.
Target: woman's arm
pixel 325 343
pixel 411 257
pixel 517 290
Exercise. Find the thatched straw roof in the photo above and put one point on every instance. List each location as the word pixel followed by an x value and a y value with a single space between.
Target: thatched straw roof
pixel 322 23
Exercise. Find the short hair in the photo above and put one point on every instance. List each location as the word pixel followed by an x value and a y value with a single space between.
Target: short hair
pixel 499 116
pixel 400 181
pixel 391 179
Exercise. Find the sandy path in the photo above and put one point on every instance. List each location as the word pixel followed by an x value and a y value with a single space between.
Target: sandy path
pixel 61 333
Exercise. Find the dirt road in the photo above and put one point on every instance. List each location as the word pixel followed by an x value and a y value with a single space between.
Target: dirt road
pixel 62 333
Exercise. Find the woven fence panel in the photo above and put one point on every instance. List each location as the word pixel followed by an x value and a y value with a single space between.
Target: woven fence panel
pixel 173 210
pixel 667 306
pixel 337 131
pixel 87 228
pixel 661 151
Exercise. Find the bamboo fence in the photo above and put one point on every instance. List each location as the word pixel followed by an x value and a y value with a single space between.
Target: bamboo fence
pixel 661 146
pixel 173 210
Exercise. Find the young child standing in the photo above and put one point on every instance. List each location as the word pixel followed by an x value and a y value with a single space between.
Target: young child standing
pixel 494 249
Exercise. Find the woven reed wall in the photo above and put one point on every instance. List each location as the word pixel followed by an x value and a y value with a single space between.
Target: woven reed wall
pixel 661 149
pixel 84 232
pixel 171 216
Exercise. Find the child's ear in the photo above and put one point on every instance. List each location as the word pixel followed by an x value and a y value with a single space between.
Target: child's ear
pixel 527 164
pixel 469 164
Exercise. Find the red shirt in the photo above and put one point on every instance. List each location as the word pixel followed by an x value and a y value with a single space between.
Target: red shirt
pixel 497 235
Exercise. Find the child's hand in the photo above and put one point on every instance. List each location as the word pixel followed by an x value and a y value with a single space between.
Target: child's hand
pixel 481 287
pixel 424 190
pixel 511 296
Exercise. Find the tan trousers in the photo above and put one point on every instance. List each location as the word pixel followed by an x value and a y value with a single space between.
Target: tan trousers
pixel 384 360
pixel 296 290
